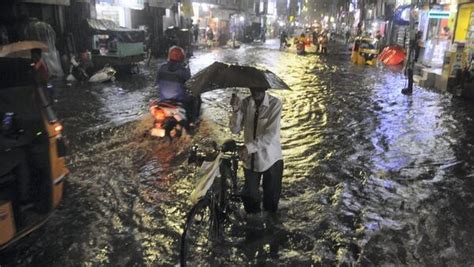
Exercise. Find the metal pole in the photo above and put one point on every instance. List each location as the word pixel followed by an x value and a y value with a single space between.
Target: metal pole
pixel 410 62
pixel 360 24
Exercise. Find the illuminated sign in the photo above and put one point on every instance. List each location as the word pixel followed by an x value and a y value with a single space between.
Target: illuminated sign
pixel 438 14
pixel 445 2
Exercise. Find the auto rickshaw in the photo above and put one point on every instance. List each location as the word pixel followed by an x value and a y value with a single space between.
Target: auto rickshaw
pixel 32 151
pixel 364 51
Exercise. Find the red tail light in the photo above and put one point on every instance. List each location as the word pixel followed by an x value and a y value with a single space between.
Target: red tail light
pixel 158 114
pixel 58 128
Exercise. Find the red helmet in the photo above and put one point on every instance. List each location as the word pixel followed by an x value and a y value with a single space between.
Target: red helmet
pixel 176 53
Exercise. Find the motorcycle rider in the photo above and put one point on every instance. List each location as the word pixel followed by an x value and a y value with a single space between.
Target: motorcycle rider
pixel 171 78
pixel 300 45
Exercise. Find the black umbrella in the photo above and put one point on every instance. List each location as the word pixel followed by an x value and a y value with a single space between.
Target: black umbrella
pixel 223 75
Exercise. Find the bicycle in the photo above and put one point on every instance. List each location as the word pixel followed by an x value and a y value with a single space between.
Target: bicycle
pixel 216 198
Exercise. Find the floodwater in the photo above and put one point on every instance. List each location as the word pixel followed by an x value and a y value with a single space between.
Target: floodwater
pixel 372 177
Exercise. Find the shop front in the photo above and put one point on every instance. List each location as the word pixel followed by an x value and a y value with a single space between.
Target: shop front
pixel 213 18
pixel 460 64
pixel 436 26
pixel 464 33
pixel 436 22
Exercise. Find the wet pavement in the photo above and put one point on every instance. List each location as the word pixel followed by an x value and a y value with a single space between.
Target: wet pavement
pixel 372 177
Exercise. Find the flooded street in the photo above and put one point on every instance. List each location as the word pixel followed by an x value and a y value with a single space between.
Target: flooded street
pixel 372 177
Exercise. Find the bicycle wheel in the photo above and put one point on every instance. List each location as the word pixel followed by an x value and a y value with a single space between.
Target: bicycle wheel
pixel 200 232
pixel 228 185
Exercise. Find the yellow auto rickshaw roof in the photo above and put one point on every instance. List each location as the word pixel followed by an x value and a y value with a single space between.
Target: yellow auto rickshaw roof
pixel 366 39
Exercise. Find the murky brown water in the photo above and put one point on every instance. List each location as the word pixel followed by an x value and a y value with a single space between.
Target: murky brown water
pixel 372 177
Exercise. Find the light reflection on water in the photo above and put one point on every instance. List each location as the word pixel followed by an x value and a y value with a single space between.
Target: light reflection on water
pixel 368 173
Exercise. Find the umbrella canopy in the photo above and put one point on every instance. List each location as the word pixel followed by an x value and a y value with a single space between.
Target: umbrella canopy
pixel 21 49
pixel 222 75
pixel 392 55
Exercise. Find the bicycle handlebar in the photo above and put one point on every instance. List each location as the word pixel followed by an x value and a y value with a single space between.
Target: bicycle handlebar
pixel 198 155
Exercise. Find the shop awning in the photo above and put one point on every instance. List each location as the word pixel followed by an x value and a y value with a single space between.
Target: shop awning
pixel 107 26
pixel 48 2
pixel 103 26
pixel 161 3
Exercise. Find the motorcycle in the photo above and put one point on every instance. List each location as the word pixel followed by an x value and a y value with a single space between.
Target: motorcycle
pixel 300 48
pixel 170 119
pixel 104 75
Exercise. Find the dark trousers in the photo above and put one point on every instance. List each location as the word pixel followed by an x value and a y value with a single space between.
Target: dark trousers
pixel 271 188
pixel 192 104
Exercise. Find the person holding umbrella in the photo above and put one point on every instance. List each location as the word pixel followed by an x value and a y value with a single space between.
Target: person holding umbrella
pixel 41 74
pixel 41 70
pixel 259 117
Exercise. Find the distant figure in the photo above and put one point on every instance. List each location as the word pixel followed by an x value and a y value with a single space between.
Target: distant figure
pixel 348 36
pixel 210 37
pixel 418 44
pixel 41 74
pixel 314 38
pixel 359 28
pixel 196 32
pixel 378 38
pixel 41 69
pixel 323 43
pixel 378 35
pixel 302 38
pixel 112 43
pixel 446 33
pixel 283 40
pixel 263 34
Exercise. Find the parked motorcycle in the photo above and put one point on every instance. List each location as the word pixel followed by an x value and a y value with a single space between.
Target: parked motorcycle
pixel 103 75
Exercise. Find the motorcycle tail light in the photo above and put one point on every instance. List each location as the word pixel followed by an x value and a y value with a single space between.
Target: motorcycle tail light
pixel 158 114
pixel 58 128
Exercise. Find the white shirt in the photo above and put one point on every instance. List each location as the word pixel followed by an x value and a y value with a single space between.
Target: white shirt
pixel 266 145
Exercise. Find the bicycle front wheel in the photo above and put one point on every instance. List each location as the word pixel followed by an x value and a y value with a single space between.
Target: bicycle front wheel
pixel 200 232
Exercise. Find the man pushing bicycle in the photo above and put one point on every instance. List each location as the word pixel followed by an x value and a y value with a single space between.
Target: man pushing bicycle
pixel 259 117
